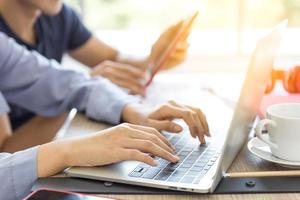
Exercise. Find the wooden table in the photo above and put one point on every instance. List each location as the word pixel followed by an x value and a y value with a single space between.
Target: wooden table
pixel 245 162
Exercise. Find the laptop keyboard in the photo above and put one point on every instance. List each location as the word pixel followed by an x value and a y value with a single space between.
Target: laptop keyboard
pixel 195 161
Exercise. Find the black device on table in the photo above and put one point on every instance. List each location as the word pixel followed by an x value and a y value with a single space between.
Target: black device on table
pixel 46 194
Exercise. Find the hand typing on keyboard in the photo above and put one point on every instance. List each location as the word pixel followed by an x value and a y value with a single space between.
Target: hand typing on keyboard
pixel 119 143
pixel 161 118
pixel 195 161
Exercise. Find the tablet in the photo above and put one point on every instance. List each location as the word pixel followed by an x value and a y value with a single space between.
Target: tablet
pixel 45 194
pixel 155 67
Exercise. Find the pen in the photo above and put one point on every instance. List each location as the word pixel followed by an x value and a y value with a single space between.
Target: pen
pixel 263 174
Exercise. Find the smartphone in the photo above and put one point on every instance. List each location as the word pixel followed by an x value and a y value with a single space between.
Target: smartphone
pixel 155 67
pixel 47 194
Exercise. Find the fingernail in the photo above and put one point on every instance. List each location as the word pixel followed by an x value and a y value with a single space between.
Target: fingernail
pixel 202 141
pixel 177 128
pixel 176 158
pixel 155 163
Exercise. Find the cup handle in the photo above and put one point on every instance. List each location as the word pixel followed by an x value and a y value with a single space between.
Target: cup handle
pixel 258 131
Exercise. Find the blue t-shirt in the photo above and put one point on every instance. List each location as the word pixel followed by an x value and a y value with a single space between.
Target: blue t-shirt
pixel 56 35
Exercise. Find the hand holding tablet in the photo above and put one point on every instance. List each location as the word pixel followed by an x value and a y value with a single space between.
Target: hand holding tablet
pixel 156 65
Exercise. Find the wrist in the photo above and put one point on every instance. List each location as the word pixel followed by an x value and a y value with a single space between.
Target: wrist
pixel 145 62
pixel 55 153
pixel 129 113
pixel 134 113
pixel 67 152
pixel 126 113
pixel 71 151
pixel 97 70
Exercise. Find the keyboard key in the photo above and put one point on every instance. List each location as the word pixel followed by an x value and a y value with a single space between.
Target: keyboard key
pixel 174 179
pixel 151 173
pixel 162 163
pixel 178 147
pixel 186 165
pixel 204 160
pixel 184 153
pixel 212 150
pixel 192 173
pixel 199 177
pixel 214 158
pixel 210 163
pixel 192 158
pixel 207 167
pixel 135 174
pixel 205 157
pixel 174 140
pixel 137 169
pixel 178 173
pixel 172 166
pixel 199 149
pixel 210 153
pixel 182 169
pixel 197 181
pixel 168 169
pixel 196 153
pixel 140 169
pixel 187 179
pixel 200 164
pixel 177 150
pixel 187 161
pixel 163 176
pixel 188 148
pixel 182 157
pixel 196 168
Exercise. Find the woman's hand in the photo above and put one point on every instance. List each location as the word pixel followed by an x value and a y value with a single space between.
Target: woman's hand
pixel 159 47
pixel 123 142
pixel 123 75
pixel 161 118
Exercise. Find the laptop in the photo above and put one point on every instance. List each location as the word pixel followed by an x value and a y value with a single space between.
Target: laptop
pixel 201 167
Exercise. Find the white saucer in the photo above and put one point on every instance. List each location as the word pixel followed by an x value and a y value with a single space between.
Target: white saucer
pixel 262 150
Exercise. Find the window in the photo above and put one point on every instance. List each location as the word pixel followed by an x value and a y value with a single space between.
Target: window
pixel 226 31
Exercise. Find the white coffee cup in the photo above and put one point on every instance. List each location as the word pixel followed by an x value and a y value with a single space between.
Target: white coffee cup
pixel 283 125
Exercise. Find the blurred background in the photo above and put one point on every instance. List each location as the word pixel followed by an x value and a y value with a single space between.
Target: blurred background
pixel 223 36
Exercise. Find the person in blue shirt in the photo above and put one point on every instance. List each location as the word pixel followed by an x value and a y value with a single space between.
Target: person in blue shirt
pixel 53 29
pixel 35 83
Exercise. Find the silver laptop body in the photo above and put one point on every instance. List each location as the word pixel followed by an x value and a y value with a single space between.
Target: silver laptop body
pixel 201 166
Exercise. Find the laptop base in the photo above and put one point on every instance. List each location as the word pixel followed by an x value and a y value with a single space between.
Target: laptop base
pixel 226 186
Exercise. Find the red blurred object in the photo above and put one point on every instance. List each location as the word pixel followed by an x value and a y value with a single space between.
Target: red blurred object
pixel 290 80
pixel 269 100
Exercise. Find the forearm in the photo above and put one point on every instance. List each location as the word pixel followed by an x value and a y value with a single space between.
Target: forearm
pixel 95 51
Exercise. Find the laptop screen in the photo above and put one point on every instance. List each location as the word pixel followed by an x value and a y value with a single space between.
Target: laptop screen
pixel 252 92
